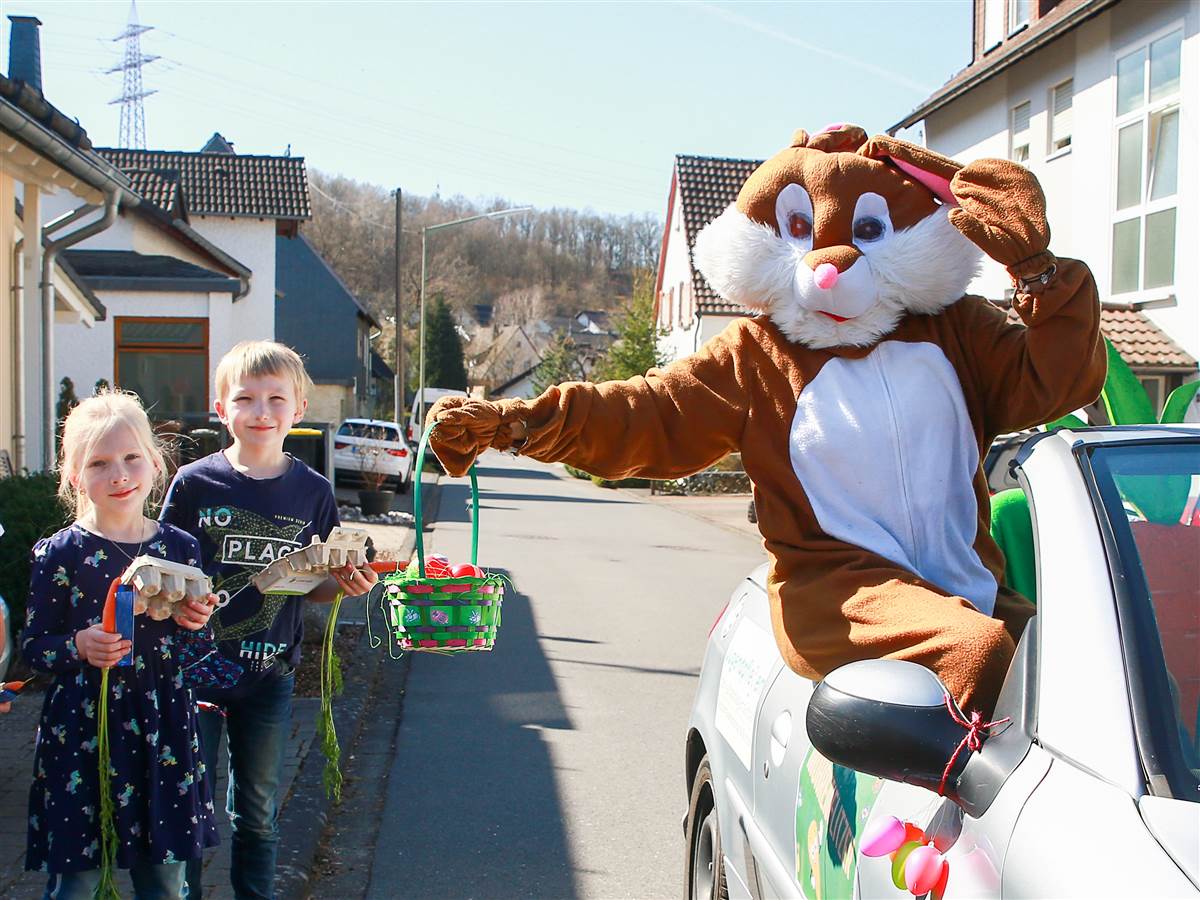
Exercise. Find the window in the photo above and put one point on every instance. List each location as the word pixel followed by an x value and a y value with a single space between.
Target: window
pixel 1061 101
pixel 1147 166
pixel 1019 129
pixel 1156 389
pixel 1018 15
pixel 993 23
pixel 165 362
pixel 670 307
pixel 681 320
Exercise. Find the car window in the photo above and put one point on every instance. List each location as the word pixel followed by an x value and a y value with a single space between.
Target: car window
pixel 366 430
pixel 1151 491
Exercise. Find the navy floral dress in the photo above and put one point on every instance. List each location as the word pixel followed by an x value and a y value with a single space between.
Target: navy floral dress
pixel 164 810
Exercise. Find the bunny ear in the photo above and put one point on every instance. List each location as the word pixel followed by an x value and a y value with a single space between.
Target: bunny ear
pixel 930 169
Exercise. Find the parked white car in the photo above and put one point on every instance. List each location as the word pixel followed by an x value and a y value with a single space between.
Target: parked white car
pixel 364 447
pixel 1090 789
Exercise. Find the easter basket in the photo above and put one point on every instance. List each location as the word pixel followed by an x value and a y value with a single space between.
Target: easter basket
pixel 429 611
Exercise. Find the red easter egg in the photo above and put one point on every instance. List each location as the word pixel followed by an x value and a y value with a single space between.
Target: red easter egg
pixel 913 833
pixel 466 570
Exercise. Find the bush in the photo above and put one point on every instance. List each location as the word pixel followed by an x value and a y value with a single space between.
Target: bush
pixel 29 511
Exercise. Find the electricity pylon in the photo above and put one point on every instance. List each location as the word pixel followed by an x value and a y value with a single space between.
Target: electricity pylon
pixel 133 114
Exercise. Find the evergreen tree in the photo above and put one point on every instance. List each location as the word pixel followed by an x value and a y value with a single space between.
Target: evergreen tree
pixel 636 349
pixel 559 363
pixel 444 363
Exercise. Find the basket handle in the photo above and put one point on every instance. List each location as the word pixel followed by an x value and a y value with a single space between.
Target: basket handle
pixel 417 517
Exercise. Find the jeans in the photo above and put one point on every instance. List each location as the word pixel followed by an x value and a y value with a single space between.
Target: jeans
pixel 162 881
pixel 257 729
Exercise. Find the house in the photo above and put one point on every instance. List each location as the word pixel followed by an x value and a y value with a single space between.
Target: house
pixel 186 273
pixel 685 306
pixel 43 153
pixel 1100 99
pixel 498 356
pixel 319 317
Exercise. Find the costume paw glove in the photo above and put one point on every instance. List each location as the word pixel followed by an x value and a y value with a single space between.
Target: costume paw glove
pixel 465 428
pixel 1002 210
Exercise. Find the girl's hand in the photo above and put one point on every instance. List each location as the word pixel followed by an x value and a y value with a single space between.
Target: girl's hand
pixel 192 614
pixel 352 581
pixel 101 648
pixel 5 707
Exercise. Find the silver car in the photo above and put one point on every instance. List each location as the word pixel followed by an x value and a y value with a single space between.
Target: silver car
pixel 1091 789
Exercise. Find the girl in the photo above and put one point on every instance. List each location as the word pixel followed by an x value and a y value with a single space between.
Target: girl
pixel 109 465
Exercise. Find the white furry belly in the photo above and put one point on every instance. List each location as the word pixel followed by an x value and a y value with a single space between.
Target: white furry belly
pixel 886 453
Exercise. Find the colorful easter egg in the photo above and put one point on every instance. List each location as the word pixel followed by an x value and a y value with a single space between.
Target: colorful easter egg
pixel 882 836
pixel 923 870
pixel 466 570
pixel 898 861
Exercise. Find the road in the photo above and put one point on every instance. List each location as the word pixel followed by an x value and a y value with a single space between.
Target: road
pixel 552 766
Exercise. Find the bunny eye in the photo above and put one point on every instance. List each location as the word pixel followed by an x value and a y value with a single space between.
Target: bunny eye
pixel 868 229
pixel 799 226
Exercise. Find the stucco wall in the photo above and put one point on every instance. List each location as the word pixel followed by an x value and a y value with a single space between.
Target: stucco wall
pixel 1080 183
pixel 252 243
pixel 677 271
pixel 329 403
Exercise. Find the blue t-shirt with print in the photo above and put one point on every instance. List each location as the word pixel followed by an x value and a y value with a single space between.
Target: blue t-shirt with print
pixel 243 524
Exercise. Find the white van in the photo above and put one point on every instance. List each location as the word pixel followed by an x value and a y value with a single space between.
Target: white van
pixel 415 426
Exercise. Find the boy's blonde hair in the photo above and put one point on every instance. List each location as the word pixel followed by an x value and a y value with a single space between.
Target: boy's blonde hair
pixel 86 425
pixel 257 358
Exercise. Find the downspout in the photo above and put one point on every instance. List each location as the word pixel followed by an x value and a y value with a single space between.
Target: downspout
pixel 51 248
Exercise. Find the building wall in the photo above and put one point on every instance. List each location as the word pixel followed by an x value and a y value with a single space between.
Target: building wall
pixel 677 272
pixel 8 299
pixel 252 243
pixel 329 403
pixel 1080 182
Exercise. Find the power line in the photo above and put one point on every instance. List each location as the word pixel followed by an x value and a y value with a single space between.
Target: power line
pixel 133 113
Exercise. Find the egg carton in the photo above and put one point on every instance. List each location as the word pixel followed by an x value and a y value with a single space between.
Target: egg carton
pixel 160 584
pixel 303 569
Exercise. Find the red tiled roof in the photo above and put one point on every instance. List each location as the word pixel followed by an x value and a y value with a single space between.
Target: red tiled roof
pixel 226 184
pixel 159 186
pixel 1141 343
pixel 707 185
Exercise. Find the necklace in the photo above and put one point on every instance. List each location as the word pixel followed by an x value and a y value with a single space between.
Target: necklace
pixel 124 552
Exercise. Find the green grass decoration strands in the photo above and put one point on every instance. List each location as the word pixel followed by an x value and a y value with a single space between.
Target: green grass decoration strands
pixel 331 686
pixel 107 888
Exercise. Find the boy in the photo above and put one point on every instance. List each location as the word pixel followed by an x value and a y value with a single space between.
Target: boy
pixel 247 505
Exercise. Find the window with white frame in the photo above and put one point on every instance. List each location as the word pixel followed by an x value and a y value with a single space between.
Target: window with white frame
pixel 1147 170
pixel 993 23
pixel 1018 124
pixel 1062 97
pixel 1018 15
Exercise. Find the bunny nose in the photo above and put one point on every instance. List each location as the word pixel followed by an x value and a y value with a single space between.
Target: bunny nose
pixel 825 276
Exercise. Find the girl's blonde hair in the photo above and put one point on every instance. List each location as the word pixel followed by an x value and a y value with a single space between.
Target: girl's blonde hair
pixel 86 425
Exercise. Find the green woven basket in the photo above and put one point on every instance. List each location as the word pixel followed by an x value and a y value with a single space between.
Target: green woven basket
pixel 442 615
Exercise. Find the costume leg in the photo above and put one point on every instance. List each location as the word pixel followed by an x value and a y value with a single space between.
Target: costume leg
pixel 907 620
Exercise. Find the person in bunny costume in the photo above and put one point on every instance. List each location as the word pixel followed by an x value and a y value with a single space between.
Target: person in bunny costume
pixel 862 390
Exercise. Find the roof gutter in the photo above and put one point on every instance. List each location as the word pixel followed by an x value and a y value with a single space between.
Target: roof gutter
pixel 243 274
pixel 1058 29
pixel 51 249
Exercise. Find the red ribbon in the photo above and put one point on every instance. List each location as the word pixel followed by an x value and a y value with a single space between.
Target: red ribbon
pixel 977 730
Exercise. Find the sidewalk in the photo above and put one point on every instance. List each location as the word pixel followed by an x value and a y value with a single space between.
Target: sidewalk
pixel 304 808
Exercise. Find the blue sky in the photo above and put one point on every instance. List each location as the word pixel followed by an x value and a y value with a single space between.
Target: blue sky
pixel 580 104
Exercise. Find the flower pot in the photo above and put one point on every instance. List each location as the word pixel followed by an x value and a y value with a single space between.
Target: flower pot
pixel 375 503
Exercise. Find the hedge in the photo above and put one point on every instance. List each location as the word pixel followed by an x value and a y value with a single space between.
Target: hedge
pixel 29 511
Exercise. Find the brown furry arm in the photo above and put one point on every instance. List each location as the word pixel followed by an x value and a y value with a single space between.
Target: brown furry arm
pixel 1055 363
pixel 666 424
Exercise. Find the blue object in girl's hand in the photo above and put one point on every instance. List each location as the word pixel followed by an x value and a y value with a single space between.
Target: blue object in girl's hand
pixel 7 696
pixel 124 620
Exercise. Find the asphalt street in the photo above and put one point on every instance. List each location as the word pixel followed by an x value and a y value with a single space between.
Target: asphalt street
pixel 552 766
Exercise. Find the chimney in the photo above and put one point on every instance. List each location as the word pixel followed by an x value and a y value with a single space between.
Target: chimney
pixel 25 51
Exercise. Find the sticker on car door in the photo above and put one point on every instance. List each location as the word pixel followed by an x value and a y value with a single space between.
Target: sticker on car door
pixel 833 804
pixel 748 662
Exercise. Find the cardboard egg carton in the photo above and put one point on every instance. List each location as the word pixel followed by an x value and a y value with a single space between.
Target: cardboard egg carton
pixel 303 569
pixel 159 584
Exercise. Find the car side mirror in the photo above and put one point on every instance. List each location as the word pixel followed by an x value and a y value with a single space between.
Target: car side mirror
pixel 888 718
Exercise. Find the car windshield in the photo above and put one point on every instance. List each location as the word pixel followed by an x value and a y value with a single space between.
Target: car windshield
pixel 367 430
pixel 1151 494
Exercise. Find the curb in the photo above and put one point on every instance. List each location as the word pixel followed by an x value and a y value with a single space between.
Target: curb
pixel 306 811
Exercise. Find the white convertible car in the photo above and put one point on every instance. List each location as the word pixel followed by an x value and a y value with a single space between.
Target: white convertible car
pixel 1092 789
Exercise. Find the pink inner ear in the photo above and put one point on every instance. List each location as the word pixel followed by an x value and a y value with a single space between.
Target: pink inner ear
pixel 940 186
pixel 832 127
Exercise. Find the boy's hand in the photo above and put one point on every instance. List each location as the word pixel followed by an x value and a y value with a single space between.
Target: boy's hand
pixel 101 648
pixel 193 614
pixel 5 707
pixel 352 582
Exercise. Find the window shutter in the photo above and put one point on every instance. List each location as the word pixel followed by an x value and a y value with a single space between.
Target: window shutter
pixel 1064 95
pixel 1020 120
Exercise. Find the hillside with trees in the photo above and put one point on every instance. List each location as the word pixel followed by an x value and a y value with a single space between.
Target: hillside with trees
pixel 532 264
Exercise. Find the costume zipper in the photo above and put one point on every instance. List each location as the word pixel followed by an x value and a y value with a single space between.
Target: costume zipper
pixel 901 474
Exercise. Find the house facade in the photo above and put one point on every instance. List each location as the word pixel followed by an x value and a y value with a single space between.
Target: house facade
pixel 1100 99
pixel 186 273
pixel 43 154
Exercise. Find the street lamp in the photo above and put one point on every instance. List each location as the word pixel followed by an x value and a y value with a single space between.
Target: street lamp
pixel 425 229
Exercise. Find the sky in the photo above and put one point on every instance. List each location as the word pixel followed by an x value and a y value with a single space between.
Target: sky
pixel 580 105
